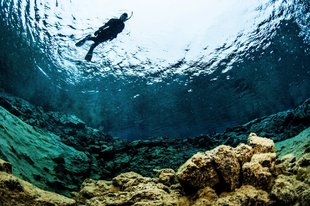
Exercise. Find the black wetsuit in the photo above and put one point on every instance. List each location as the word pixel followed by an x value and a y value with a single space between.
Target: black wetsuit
pixel 107 32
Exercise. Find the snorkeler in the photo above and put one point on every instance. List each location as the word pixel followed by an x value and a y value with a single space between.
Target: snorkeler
pixel 108 31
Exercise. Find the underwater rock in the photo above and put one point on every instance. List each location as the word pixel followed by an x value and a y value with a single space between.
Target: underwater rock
pixel 41 158
pixel 259 171
pixel 256 175
pixel 227 166
pixel 244 196
pixel 298 145
pixel 129 189
pixel 220 168
pixel 249 180
pixel 302 168
pixel 244 153
pixel 104 157
pixel 69 128
pixel 198 172
pixel 257 184
pixel 205 197
pixel 16 192
pixel 167 176
pixel 287 190
pixel 91 188
pixel 261 144
pixel 279 126
pixel 5 167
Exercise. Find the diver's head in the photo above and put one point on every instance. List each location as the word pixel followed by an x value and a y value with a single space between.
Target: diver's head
pixel 124 17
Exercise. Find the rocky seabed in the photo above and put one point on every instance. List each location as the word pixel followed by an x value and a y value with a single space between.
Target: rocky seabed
pixel 249 174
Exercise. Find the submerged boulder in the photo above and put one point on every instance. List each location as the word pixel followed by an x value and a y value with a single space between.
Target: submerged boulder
pixel 256 175
pixel 225 168
pixel 198 172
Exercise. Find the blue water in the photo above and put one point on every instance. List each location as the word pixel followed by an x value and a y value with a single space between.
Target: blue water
pixel 179 68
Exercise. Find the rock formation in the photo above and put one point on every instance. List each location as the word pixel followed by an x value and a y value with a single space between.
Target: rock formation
pixel 57 152
pixel 245 175
pixel 40 157
pixel 107 157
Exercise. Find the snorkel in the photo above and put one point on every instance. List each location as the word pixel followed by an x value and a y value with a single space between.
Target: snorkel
pixel 128 17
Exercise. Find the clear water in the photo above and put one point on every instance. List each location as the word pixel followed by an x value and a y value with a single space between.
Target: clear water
pixel 179 68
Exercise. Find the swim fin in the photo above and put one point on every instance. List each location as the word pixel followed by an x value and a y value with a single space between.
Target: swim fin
pixel 80 43
pixel 89 56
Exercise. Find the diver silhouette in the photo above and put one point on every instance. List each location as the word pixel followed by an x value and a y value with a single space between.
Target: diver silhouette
pixel 108 31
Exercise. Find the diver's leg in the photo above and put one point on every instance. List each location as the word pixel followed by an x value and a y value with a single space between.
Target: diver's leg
pixel 81 42
pixel 89 54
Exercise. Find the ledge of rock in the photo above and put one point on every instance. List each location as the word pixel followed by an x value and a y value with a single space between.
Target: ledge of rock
pixel 40 157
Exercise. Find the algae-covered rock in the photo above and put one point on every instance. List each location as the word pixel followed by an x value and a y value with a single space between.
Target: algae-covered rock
pixel 16 192
pixel 287 190
pixel 266 160
pixel 242 177
pixel 227 166
pixel 261 144
pixel 284 191
pixel 41 157
pixel 302 168
pixel 304 198
pixel 259 171
pixel 205 197
pixel 166 176
pixel 128 180
pixel 244 153
pixel 206 169
pixel 5 167
pixel 221 168
pixel 256 175
pixel 130 189
pixel 91 188
pixel 297 145
pixel 244 196
pixel 198 172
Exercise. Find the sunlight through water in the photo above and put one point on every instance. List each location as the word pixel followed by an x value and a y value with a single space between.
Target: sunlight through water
pixel 197 65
